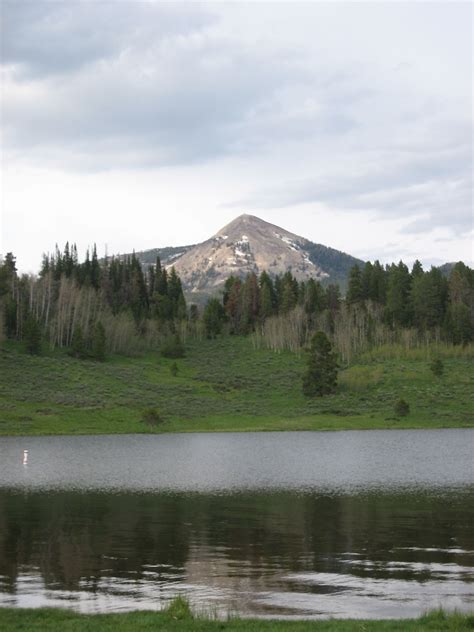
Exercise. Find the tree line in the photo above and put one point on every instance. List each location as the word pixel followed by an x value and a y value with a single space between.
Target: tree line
pixel 383 304
pixel 115 305
pixel 92 305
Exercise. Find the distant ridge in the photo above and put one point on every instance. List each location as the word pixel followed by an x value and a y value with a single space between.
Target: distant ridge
pixel 250 244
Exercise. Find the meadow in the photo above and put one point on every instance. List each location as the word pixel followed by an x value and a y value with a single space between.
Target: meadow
pixel 227 385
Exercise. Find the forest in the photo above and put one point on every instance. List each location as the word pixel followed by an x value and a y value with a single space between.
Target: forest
pixel 113 305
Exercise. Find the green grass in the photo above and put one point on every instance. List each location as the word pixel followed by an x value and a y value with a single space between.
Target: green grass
pixel 181 619
pixel 226 385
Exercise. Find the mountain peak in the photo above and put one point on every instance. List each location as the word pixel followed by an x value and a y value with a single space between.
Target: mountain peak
pixel 249 244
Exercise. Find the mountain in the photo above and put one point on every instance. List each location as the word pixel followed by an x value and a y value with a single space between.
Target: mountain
pixel 249 244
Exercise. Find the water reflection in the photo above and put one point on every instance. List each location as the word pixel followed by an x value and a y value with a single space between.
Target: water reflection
pixel 255 552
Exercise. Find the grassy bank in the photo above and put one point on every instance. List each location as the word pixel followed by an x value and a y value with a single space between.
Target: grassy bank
pixel 178 620
pixel 226 385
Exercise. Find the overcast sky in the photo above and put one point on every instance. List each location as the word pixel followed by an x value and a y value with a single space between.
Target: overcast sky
pixel 143 124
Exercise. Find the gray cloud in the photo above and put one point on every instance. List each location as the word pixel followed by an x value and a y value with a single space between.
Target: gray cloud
pixel 431 184
pixel 135 85
pixel 182 98
pixel 46 38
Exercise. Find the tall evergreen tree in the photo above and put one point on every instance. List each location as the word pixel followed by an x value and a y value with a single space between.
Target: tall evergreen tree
pixel 32 335
pixel 354 289
pixel 213 317
pixel 398 295
pixel 320 377
pixel 98 345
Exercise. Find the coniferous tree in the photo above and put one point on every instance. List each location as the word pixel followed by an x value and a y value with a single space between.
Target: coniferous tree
pixel 78 344
pixel 428 298
pixel 320 377
pixel 98 342
pixel 354 289
pixel 32 334
pixel 213 317
pixel 398 295
pixel 378 284
pixel 366 281
pixel 267 296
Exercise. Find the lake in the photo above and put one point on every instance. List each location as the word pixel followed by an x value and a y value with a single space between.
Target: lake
pixel 374 524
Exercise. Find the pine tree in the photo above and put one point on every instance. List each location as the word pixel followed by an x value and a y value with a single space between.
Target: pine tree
pixel 98 342
pixel 320 377
pixel 354 289
pixel 366 281
pixel 398 295
pixel 378 284
pixel 78 344
pixel 267 295
pixel 213 317
pixel 32 334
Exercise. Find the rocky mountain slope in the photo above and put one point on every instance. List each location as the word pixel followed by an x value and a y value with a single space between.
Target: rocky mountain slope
pixel 249 244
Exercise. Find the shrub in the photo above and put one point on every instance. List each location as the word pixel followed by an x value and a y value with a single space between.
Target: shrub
pixel 151 417
pixel 402 408
pixel 437 367
pixel 174 369
pixel 173 347
pixel 179 609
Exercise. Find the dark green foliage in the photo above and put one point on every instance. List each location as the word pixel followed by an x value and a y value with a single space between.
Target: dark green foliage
pixel 398 305
pixel 402 408
pixel 213 317
pixel 437 367
pixel 460 312
pixel 173 347
pixel 174 369
pixel 315 298
pixel 8 295
pixel 320 377
pixel 98 343
pixel 429 293
pixel 459 324
pixel 337 264
pixel 32 335
pixel 354 290
pixel 78 344
pixel 151 417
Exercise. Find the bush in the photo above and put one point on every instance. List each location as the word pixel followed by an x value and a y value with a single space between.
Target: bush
pixel 179 609
pixel 437 367
pixel 402 408
pixel 174 369
pixel 173 347
pixel 151 417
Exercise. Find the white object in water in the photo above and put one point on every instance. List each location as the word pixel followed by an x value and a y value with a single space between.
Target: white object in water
pixel 25 457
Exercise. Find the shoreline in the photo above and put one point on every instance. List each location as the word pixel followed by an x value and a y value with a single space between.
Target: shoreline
pixel 236 425
pixel 179 618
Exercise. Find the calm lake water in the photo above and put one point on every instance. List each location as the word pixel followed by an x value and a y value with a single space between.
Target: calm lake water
pixel 346 524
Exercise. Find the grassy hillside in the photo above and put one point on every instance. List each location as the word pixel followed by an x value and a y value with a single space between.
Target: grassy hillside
pixel 226 385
